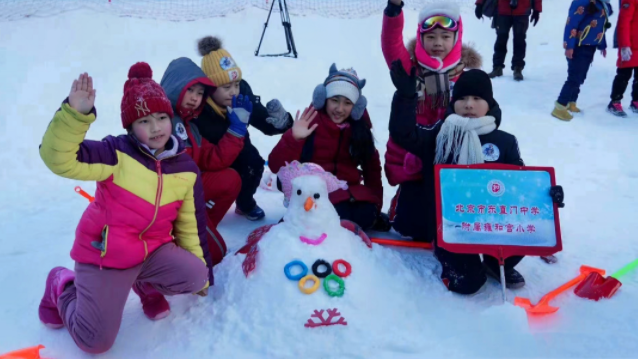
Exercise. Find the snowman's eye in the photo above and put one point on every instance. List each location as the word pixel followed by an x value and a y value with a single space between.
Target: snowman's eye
pixel 298 192
pixel 317 196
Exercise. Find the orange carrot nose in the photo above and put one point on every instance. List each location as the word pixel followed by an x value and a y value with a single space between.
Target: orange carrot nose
pixel 309 204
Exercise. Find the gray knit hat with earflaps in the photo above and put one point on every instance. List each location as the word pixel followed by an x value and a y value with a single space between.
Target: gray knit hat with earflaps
pixel 344 83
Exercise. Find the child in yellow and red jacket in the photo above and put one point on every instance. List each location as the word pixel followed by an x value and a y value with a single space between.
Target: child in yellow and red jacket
pixel 146 227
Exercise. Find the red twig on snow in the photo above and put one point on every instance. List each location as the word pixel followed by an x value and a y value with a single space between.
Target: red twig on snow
pixel 332 313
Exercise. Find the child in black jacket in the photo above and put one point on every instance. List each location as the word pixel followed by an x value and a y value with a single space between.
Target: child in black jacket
pixel 468 135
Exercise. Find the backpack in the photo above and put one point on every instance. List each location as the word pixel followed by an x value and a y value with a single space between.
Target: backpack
pixel 490 8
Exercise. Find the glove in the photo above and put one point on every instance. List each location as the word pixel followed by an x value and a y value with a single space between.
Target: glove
pixel 404 83
pixel 277 115
pixel 239 114
pixel 557 194
pixel 479 11
pixel 513 4
pixel 625 53
pixel 535 17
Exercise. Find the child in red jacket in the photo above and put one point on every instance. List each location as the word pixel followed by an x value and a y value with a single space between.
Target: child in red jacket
pixel 335 133
pixel 627 35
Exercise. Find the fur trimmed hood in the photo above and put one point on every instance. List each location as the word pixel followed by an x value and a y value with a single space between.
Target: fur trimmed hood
pixel 469 56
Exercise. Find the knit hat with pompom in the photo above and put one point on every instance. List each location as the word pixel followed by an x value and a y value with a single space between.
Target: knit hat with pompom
pixel 217 63
pixel 142 95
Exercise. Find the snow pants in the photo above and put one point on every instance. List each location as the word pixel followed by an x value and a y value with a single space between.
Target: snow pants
pixel 408 213
pixel 577 68
pixel 465 273
pixel 92 306
pixel 250 167
pixel 505 23
pixel 362 213
pixel 221 189
pixel 623 75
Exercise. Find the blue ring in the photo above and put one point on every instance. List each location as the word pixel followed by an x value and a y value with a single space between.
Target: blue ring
pixel 288 267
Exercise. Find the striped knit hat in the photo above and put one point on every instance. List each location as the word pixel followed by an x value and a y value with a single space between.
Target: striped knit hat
pixel 217 63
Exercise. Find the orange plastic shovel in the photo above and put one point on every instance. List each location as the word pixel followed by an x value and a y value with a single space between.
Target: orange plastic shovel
pixel 543 307
pixel 81 192
pixel 28 353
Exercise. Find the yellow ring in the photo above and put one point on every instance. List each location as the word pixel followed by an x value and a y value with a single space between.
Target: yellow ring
pixel 302 284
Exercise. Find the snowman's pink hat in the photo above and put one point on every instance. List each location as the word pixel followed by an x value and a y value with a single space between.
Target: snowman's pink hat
pixel 295 169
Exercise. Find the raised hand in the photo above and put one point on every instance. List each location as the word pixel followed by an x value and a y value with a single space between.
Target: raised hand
pixel 301 128
pixel 82 95
pixel 404 83
pixel 242 108
pixel 396 2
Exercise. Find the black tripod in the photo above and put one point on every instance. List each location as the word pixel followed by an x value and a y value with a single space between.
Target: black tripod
pixel 285 21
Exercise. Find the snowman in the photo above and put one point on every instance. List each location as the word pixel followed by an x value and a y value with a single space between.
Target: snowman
pixel 314 272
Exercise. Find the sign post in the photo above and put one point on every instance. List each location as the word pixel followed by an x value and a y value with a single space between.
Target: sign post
pixel 497 210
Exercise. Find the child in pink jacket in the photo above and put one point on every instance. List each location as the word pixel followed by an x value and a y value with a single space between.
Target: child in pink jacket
pixel 440 58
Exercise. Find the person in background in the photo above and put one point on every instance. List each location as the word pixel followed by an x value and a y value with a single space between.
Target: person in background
pixel 213 122
pixel 626 40
pixel 587 22
pixel 512 15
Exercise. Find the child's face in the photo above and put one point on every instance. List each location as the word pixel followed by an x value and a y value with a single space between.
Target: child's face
pixel 153 130
pixel 223 96
pixel 438 42
pixel 471 107
pixel 339 108
pixel 193 97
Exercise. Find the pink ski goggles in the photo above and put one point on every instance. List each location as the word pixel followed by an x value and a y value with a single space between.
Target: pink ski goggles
pixel 440 21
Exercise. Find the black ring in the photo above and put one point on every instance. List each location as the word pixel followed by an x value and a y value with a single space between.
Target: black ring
pixel 315 268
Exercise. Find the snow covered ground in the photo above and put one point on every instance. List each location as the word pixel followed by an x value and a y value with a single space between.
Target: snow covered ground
pixel 595 157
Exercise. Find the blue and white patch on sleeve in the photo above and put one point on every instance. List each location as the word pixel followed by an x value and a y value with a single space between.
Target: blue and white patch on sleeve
pixel 491 152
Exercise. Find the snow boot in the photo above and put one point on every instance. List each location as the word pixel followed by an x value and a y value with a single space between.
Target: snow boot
pixel 253 215
pixel 382 223
pixel 571 107
pixel 518 74
pixel 154 304
pixel 561 113
pixel 496 72
pixel 634 106
pixel 513 279
pixel 48 312
pixel 615 108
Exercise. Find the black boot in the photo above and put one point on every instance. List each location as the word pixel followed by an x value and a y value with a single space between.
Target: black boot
pixel 513 279
pixel 497 72
pixel 518 74
pixel 382 223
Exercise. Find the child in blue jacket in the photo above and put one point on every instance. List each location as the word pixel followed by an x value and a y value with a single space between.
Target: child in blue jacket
pixel 584 34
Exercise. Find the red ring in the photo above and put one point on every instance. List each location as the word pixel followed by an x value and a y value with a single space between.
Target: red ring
pixel 337 271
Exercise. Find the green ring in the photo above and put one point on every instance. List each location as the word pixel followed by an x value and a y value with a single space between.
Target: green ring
pixel 342 286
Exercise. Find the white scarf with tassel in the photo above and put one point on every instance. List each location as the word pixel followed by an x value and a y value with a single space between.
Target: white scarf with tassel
pixel 459 138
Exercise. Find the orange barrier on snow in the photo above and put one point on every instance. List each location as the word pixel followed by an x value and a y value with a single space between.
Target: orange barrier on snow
pixel 400 243
pixel 28 353
pixel 81 192
pixel 543 307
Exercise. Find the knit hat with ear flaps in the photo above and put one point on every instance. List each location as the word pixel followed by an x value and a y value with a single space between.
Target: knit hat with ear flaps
pixel 344 83
pixel 142 95
pixel 217 63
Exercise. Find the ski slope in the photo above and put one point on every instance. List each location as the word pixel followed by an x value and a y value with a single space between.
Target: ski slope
pixel 595 156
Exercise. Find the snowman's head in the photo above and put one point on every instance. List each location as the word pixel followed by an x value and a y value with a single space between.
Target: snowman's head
pixel 310 205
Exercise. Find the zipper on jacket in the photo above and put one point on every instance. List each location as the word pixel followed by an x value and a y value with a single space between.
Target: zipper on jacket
pixel 338 150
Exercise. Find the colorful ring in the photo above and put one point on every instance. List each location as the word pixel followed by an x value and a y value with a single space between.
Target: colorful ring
pixel 337 271
pixel 342 286
pixel 302 284
pixel 288 267
pixel 315 268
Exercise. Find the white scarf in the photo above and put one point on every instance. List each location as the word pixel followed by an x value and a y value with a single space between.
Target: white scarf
pixel 459 137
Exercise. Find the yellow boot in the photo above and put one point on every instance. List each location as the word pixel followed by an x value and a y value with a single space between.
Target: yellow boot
pixel 561 113
pixel 571 107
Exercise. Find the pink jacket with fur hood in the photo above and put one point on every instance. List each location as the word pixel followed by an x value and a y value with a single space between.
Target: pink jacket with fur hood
pixel 400 165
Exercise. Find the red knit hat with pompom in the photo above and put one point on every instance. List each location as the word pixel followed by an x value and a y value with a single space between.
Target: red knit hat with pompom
pixel 142 95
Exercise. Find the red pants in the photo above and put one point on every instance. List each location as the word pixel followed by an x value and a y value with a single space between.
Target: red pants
pixel 221 189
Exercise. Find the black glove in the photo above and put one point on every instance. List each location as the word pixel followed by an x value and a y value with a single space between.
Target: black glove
pixel 404 83
pixel 479 11
pixel 535 17
pixel 557 194
pixel 513 4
